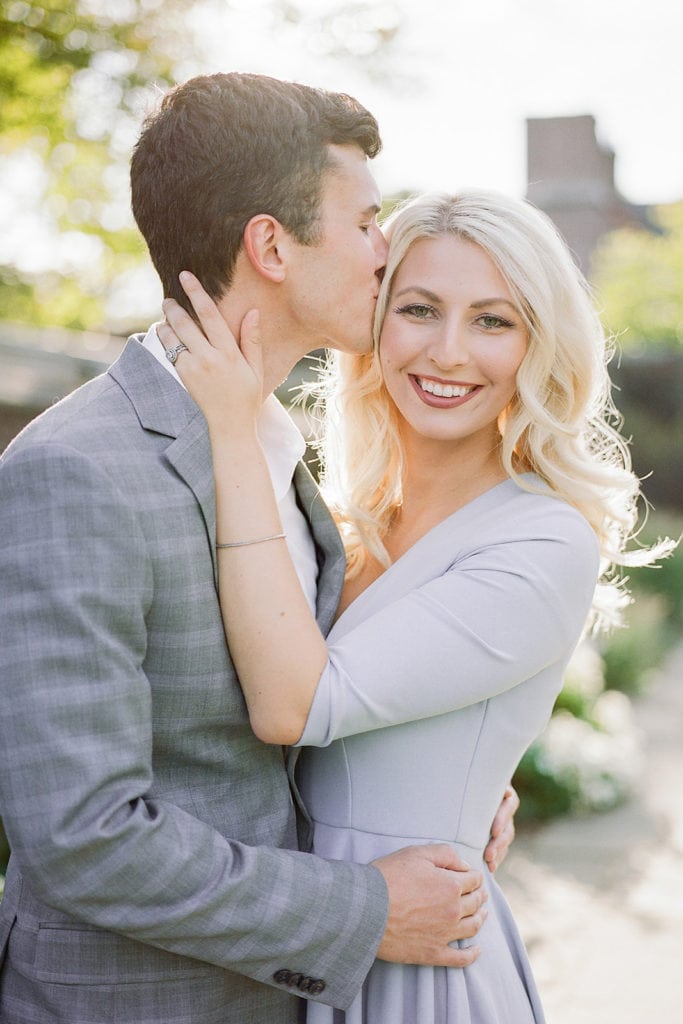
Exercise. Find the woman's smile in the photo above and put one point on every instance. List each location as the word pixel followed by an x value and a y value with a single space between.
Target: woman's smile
pixel 441 393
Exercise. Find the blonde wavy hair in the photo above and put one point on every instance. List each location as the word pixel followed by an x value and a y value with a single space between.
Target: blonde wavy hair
pixel 562 423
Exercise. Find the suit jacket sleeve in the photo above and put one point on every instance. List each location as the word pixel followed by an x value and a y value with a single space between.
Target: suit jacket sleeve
pixel 77 754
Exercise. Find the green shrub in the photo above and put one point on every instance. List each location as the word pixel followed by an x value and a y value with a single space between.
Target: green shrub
pixel 629 654
pixel 666 579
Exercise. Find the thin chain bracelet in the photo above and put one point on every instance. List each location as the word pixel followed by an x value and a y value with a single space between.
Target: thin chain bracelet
pixel 257 540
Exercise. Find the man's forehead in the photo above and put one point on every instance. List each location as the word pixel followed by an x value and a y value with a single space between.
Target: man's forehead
pixel 350 165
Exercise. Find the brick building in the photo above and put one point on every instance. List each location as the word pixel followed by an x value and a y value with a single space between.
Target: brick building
pixel 570 176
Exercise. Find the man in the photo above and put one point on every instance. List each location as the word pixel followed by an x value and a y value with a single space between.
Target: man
pixel 154 873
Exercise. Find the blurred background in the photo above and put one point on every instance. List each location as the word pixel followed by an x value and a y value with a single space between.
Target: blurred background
pixel 575 105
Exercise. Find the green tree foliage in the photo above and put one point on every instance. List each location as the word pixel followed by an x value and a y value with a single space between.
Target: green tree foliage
pixel 74 79
pixel 639 278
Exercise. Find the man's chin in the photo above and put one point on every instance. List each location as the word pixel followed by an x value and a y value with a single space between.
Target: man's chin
pixel 354 346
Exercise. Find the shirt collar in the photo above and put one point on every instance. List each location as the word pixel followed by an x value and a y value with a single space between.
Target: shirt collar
pixel 281 439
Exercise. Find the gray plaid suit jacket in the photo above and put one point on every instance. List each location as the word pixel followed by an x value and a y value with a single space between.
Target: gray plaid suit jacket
pixel 154 874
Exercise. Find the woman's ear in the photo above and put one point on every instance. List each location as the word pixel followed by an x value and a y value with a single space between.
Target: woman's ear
pixel 263 244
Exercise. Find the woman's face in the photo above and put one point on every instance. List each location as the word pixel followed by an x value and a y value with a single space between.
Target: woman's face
pixel 452 341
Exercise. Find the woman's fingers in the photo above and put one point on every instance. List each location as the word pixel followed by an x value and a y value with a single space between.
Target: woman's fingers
pixel 217 369
pixel 502 830
pixel 168 337
pixel 250 342
pixel 215 329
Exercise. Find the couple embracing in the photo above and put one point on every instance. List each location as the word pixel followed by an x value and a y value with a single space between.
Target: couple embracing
pixel 251 772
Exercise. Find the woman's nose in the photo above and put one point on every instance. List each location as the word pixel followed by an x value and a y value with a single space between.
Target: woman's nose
pixel 450 348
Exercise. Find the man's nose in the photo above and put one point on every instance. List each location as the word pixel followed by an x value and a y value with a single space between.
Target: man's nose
pixel 381 249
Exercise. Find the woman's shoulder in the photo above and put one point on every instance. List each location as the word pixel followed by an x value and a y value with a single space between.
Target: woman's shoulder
pixel 533 499
pixel 526 509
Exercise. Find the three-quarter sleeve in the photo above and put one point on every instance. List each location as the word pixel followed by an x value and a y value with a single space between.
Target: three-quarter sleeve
pixel 512 601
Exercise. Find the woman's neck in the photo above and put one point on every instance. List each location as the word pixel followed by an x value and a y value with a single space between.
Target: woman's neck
pixel 438 480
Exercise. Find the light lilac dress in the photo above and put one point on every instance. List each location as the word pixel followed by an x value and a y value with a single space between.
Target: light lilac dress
pixel 440 674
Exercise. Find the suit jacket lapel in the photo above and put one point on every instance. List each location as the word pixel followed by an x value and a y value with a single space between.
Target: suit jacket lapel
pixel 331 559
pixel 190 455
pixel 332 564
pixel 164 407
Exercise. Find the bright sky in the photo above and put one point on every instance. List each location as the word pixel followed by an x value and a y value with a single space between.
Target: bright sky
pixel 466 74
pixel 457 85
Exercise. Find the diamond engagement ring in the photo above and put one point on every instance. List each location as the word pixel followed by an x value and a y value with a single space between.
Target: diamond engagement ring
pixel 173 353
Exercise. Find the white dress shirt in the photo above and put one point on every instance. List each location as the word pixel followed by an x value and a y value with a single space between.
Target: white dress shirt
pixel 283 446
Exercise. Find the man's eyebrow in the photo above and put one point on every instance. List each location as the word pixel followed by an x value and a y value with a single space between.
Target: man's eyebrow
pixel 371 211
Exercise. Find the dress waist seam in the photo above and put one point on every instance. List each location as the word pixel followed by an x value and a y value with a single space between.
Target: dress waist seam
pixel 410 839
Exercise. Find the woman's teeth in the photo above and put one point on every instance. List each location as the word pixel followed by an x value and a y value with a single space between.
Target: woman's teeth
pixel 444 390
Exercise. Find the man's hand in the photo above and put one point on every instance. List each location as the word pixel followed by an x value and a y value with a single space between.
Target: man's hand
pixel 502 830
pixel 434 899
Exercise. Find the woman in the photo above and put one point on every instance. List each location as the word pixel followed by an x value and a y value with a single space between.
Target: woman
pixel 482 494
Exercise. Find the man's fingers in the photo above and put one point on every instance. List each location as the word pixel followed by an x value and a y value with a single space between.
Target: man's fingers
pixel 470 924
pixel 444 856
pixel 458 956
pixel 434 900
pixel 471 881
pixel 472 902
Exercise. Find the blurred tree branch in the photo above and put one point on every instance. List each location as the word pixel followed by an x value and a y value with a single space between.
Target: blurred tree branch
pixel 76 79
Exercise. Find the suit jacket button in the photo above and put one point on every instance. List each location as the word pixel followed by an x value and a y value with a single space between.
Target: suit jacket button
pixel 316 986
pixel 296 980
pixel 283 977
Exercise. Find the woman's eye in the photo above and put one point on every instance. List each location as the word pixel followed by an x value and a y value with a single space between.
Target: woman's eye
pixel 419 310
pixel 490 321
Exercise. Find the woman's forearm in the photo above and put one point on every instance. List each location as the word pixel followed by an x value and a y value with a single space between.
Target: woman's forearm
pixel 274 640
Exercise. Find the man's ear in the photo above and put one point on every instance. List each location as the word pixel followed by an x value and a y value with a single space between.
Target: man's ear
pixel 263 244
